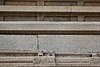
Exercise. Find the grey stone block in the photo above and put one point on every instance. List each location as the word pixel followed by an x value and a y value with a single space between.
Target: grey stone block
pixel 18 42
pixel 69 43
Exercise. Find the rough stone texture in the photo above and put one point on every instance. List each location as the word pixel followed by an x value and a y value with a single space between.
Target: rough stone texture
pixel 47 25
pixel 19 42
pixel 58 43
pixel 69 43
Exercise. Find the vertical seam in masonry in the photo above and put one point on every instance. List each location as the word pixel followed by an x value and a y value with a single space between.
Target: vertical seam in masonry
pixel 3 2
pixel 37 43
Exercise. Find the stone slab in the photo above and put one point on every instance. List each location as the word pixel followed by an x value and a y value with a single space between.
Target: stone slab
pixel 18 42
pixel 69 43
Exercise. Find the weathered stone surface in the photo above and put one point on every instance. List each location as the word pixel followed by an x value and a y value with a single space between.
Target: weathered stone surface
pixel 52 26
pixel 19 42
pixel 70 43
pixel 58 43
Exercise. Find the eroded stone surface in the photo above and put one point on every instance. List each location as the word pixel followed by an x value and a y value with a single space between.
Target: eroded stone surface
pixel 18 42
pixel 69 43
